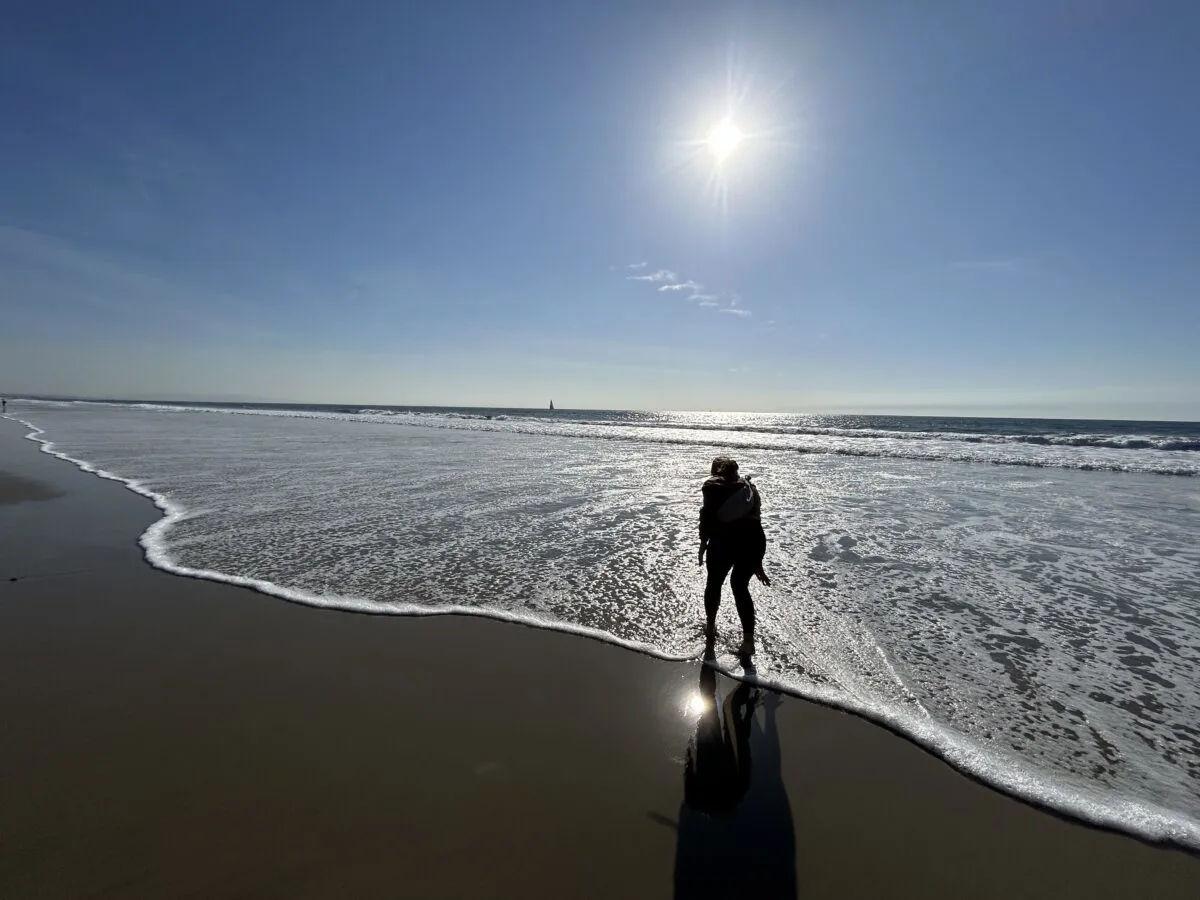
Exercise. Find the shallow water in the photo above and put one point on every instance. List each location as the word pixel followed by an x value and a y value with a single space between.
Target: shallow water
pixel 1019 597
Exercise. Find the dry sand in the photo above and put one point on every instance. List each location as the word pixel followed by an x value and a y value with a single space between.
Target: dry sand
pixel 166 737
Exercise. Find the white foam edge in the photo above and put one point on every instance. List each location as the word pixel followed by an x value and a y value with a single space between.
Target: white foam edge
pixel 153 544
pixel 1146 821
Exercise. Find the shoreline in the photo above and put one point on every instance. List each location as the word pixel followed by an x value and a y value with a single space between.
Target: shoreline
pixel 882 803
pixel 996 775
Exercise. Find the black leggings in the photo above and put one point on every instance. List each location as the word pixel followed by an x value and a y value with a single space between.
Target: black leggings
pixel 743 555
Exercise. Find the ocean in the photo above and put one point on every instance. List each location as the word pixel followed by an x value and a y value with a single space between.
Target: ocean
pixel 1019 596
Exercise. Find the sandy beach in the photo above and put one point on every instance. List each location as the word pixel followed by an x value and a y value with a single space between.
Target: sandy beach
pixel 169 737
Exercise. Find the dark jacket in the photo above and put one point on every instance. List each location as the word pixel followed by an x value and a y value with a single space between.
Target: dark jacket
pixel 717 491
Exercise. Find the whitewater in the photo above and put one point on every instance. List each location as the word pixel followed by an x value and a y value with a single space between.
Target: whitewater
pixel 1018 596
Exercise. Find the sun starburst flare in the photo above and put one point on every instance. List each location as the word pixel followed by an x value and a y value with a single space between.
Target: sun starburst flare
pixel 724 139
pixel 737 143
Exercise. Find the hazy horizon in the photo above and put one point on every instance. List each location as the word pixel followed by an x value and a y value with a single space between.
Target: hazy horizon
pixel 983 210
pixel 867 412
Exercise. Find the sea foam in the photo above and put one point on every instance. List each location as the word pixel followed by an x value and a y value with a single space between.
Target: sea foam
pixel 1035 628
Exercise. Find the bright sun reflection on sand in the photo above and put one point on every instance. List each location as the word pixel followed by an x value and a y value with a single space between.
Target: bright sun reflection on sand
pixel 694 704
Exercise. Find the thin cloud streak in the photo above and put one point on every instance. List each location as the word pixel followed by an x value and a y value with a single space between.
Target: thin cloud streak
pixel 661 275
pixel 669 281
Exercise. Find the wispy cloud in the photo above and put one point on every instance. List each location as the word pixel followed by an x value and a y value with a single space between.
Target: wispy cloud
pixel 632 267
pixel 669 281
pixel 661 275
pixel 734 308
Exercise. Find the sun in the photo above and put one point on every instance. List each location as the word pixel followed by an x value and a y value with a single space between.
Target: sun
pixel 724 139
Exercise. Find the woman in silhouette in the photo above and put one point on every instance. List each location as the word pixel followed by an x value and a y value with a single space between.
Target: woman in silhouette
pixel 731 534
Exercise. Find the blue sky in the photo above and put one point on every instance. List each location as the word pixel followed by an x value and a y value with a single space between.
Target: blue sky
pixel 937 207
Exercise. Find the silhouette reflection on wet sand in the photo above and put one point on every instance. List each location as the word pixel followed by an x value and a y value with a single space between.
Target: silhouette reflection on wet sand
pixel 735 836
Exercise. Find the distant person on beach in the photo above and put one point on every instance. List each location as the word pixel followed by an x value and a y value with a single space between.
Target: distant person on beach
pixel 3 406
pixel 731 533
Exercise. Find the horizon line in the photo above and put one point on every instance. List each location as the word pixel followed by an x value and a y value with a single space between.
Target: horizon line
pixel 791 412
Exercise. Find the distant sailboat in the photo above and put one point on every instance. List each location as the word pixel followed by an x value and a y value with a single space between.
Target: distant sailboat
pixel 551 406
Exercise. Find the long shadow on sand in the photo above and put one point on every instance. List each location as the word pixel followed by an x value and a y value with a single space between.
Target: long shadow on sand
pixel 735 832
